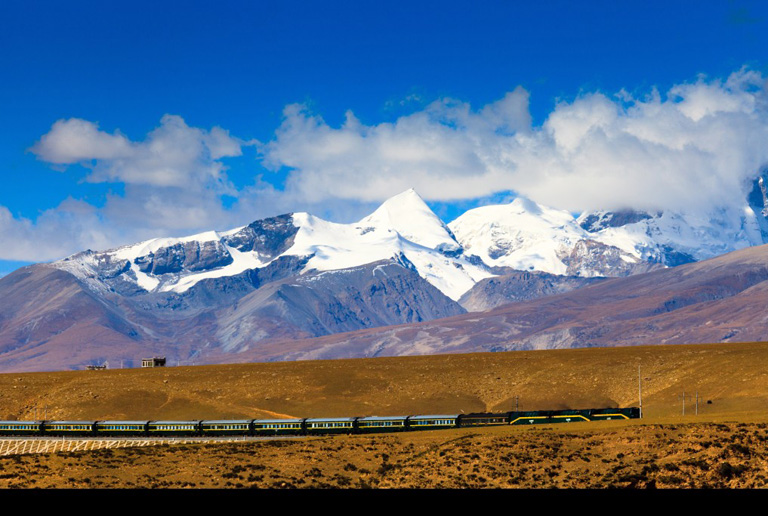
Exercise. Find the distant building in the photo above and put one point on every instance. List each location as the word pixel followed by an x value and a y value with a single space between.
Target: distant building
pixel 96 367
pixel 153 362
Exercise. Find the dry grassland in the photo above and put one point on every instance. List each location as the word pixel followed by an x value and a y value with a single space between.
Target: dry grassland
pixel 725 445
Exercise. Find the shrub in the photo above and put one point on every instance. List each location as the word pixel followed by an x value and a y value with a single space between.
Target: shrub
pixel 671 479
pixel 315 473
pixel 727 470
pixel 697 463
pixel 741 449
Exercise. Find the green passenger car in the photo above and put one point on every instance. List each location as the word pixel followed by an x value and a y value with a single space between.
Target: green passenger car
pixel 432 422
pixel 226 427
pixel 121 428
pixel 484 419
pixel 70 428
pixel 173 428
pixel 378 424
pixel 343 425
pixel 277 426
pixel 20 428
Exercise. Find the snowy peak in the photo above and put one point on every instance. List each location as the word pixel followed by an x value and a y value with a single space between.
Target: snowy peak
pixel 522 235
pixel 402 228
pixel 409 215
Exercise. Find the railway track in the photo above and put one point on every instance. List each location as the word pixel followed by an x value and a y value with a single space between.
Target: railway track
pixel 22 437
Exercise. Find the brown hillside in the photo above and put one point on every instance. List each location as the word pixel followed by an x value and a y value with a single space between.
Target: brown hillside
pixel 733 377
pixel 725 446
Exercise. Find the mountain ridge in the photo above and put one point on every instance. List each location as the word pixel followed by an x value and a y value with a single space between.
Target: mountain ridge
pixel 297 277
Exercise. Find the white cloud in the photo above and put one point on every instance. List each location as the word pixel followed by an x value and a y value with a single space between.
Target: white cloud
pixel 173 182
pixel 691 149
pixel 173 154
pixel 74 140
pixel 446 143
pixel 71 226
pixel 694 147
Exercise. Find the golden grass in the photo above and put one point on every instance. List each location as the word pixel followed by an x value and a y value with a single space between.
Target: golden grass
pixel 725 445
pixel 733 377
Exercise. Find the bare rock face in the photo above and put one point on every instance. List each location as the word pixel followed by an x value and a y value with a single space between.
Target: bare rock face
pixel 758 201
pixel 269 237
pixel 214 293
pixel 112 268
pixel 186 256
pixel 597 221
pixel 589 258
pixel 378 294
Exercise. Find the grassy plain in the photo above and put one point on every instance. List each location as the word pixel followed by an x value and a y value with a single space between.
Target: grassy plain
pixel 724 445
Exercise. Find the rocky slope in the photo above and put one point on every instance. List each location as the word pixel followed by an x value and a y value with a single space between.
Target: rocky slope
pixel 716 300
pixel 517 286
pixel 67 325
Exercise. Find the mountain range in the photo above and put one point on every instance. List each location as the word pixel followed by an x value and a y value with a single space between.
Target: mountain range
pixel 399 281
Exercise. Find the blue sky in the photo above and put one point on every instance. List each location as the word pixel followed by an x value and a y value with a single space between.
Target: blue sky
pixel 176 117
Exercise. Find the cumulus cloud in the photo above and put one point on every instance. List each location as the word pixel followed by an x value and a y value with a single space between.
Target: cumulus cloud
pixel 446 143
pixel 75 140
pixel 73 225
pixel 172 155
pixel 697 145
pixel 172 182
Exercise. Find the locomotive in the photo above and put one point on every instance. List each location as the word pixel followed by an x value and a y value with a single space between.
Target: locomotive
pixel 305 426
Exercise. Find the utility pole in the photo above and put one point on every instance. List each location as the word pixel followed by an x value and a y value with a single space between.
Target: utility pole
pixel 695 397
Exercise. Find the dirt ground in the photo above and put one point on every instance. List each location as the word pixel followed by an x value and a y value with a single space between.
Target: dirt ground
pixel 693 455
pixel 725 445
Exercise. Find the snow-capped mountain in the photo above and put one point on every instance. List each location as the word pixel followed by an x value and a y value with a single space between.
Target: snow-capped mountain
pixel 527 236
pixel 484 242
pixel 404 226
pixel 402 229
pixel 524 235
pixel 297 276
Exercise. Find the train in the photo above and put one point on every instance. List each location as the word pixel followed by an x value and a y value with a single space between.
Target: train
pixel 305 426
